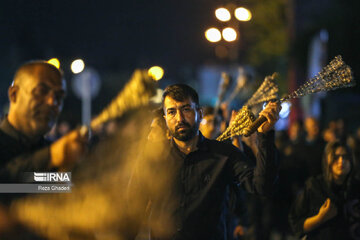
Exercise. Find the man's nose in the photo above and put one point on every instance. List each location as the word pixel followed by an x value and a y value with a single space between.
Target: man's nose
pixel 179 115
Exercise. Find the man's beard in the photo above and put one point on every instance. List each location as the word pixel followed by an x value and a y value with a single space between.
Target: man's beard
pixel 187 133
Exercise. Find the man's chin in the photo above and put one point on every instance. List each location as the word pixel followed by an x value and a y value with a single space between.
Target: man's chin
pixel 183 136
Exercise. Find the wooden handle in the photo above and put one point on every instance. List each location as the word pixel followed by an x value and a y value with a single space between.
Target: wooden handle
pixel 254 126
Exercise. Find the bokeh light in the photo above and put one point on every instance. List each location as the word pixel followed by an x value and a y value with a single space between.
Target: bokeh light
pixel 213 35
pixel 55 62
pixel 285 109
pixel 156 73
pixel 229 34
pixel 242 14
pixel 77 66
pixel 222 14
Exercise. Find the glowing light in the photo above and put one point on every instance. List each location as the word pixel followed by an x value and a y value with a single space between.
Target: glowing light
pixel 213 35
pixel 222 14
pixel 242 14
pixel 229 34
pixel 77 66
pixel 285 110
pixel 55 62
pixel 156 73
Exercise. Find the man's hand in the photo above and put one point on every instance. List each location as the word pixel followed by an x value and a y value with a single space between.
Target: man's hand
pixel 271 112
pixel 68 149
pixel 327 211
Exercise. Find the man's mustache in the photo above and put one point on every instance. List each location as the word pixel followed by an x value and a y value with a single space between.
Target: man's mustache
pixel 46 111
pixel 182 125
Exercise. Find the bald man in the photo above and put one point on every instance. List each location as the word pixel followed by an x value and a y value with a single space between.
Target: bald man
pixel 36 100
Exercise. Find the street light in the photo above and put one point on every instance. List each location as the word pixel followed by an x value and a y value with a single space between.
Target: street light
pixel 55 62
pixel 222 14
pixel 213 35
pixel 229 34
pixel 156 73
pixel 242 14
pixel 77 66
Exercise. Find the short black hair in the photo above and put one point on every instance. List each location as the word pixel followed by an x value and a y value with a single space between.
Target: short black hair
pixel 181 92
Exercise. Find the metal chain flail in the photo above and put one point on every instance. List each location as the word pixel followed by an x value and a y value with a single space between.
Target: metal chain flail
pixel 267 91
pixel 333 76
pixel 137 92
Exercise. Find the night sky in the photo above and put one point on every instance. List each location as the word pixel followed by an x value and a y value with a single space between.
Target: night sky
pixel 108 34
pixel 115 37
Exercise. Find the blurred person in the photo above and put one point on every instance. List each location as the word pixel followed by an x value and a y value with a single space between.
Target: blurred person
pixel 210 125
pixel 36 99
pixel 341 129
pixel 200 170
pixel 329 206
pixel 158 131
pixel 309 151
pixel 329 135
pixel 296 132
pixel 63 128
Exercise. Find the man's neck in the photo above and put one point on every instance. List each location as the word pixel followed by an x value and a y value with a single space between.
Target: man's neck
pixel 187 146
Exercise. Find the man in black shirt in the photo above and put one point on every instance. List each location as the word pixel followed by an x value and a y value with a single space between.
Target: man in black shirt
pixel 36 99
pixel 199 170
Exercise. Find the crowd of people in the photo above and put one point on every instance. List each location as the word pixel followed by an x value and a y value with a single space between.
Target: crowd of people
pixel 270 185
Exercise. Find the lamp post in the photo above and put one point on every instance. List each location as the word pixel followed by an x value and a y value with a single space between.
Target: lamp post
pixel 230 17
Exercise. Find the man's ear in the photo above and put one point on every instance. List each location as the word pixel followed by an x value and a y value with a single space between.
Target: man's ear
pixel 12 93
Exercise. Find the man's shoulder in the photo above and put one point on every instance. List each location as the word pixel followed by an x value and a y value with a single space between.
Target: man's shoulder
pixel 5 139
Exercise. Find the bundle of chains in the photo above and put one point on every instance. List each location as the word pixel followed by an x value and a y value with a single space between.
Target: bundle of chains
pixel 242 120
pixel 333 76
pixel 267 91
pixel 137 92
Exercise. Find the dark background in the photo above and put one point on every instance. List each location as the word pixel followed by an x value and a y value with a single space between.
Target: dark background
pixel 115 37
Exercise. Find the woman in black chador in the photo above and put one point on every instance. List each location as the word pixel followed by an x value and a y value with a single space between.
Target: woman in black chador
pixel 329 206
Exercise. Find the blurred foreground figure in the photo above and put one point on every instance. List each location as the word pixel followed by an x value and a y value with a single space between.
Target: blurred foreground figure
pixel 195 173
pixel 329 206
pixel 36 99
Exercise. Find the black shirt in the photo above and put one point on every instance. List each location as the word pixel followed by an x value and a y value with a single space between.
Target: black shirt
pixel 18 154
pixel 195 196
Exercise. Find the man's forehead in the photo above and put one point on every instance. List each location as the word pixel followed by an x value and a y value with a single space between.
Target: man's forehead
pixel 47 77
pixel 172 103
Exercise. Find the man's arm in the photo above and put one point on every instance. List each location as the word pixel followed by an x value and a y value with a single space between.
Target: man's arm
pixel 62 154
pixel 262 178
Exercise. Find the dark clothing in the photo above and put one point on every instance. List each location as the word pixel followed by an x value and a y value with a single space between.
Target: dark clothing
pixel 200 181
pixel 346 199
pixel 19 155
pixel 309 153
